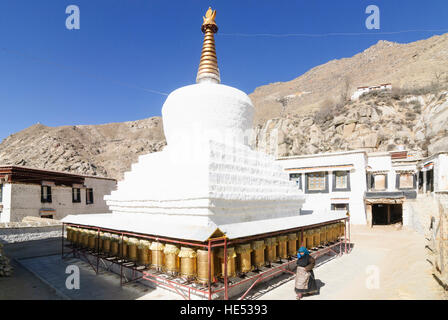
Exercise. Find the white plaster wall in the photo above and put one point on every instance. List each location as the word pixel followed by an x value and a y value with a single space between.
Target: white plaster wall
pixel 321 202
pixel 6 202
pixel 26 200
pixel 441 173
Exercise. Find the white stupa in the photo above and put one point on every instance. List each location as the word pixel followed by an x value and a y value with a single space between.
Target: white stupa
pixel 207 181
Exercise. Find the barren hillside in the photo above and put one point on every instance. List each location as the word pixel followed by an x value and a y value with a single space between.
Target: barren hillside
pixel 404 65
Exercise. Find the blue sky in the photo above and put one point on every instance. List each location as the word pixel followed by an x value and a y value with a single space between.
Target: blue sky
pixel 104 71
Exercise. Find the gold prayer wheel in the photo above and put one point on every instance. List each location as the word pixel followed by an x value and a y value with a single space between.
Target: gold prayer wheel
pixel 75 236
pixel 202 266
pixel 123 247
pixel 342 229
pixel 172 262
pixel 316 237
pixel 328 233
pixel 114 240
pixel 187 262
pixel 92 239
pixel 132 244
pixel 100 241
pixel 231 264
pixel 258 248
pixel 271 249
pixel 106 242
pixel 85 239
pixel 307 239
pixel 143 252
pixel 243 254
pixel 292 244
pixel 282 247
pixel 157 256
pixel 323 235
pixel 68 233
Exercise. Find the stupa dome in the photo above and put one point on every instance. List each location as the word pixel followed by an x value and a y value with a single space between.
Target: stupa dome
pixel 207 111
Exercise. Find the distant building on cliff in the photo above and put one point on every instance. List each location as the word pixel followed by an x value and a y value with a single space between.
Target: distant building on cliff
pixel 50 194
pixel 361 90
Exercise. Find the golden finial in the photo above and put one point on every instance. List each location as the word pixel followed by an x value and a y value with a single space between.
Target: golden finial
pixel 208 66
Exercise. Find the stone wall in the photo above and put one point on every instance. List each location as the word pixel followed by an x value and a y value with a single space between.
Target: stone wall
pixel 29 230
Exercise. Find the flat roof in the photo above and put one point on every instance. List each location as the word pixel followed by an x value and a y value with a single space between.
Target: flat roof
pixel 6 168
pixel 327 154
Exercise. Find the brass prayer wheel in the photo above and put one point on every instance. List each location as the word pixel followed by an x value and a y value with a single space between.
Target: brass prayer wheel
pixel 85 239
pixel 282 247
pixel 114 239
pixel 323 235
pixel 328 233
pixel 231 263
pixel 143 252
pixel 106 242
pixel 258 248
pixel 243 254
pixel 202 266
pixel 292 244
pixel 316 237
pixel 342 229
pixel 172 262
pixel 100 241
pixel 92 239
pixel 187 262
pixel 68 233
pixel 157 256
pixel 271 249
pixel 123 247
pixel 132 244
pixel 75 236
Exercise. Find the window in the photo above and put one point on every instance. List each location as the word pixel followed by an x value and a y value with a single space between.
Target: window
pixel 405 181
pixel 1 192
pixel 341 181
pixel 380 182
pixel 47 216
pixel 76 195
pixel 45 194
pixel 339 206
pixel 89 196
pixel 316 182
pixel 297 177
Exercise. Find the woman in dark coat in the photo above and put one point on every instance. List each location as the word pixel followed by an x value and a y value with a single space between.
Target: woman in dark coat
pixel 305 281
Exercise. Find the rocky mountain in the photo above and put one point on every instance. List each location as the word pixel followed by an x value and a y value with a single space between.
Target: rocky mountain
pixel 378 121
pixel 104 150
pixel 310 114
pixel 414 64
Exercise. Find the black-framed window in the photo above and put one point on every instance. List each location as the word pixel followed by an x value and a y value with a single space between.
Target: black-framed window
pixel 379 181
pixel 297 177
pixel 340 206
pixel 316 182
pixel 76 195
pixel 45 194
pixel 1 192
pixel 89 196
pixel 406 180
pixel 47 216
pixel 341 181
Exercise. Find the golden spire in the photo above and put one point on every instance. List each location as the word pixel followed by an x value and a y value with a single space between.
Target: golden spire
pixel 208 67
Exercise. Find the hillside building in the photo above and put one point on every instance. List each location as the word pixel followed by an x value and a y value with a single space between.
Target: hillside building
pixel 375 188
pixel 366 89
pixel 50 194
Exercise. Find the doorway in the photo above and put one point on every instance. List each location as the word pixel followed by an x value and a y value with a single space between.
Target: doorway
pixel 384 214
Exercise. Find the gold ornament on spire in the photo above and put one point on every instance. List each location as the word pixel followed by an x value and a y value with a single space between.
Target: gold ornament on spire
pixel 208 66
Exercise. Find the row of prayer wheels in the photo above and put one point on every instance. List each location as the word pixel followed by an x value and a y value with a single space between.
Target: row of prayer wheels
pixel 193 263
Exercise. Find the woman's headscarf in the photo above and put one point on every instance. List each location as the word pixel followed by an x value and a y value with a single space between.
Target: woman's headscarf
pixel 304 250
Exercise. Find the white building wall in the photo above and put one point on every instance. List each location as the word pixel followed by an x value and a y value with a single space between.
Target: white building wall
pixel 26 199
pixel 441 172
pixel 317 203
pixel 5 213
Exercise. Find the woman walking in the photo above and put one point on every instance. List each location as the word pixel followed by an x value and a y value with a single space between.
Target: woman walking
pixel 305 281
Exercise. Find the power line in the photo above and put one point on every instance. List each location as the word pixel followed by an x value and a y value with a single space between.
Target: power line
pixel 90 75
pixel 316 35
